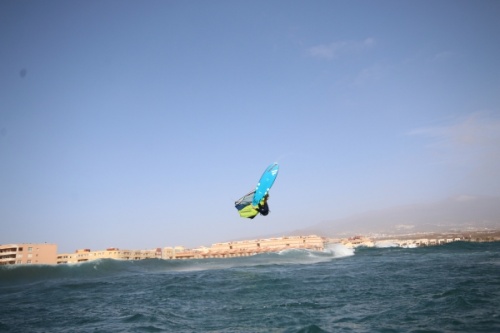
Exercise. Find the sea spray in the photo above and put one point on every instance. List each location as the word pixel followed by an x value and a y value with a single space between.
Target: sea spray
pixel 390 243
pixel 339 250
pixel 385 244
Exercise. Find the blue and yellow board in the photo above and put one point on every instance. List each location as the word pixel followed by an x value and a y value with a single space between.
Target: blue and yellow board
pixel 265 183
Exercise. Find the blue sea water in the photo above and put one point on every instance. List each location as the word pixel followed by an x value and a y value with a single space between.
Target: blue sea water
pixel 448 288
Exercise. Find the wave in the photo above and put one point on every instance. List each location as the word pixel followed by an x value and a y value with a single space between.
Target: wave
pixel 339 250
pixel 110 267
pixel 104 268
pixel 385 244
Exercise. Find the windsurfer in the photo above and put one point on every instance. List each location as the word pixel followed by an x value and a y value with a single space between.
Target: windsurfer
pixel 263 206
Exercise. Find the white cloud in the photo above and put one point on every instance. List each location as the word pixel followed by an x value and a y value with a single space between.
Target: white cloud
pixel 476 130
pixel 465 198
pixel 336 49
pixel 469 145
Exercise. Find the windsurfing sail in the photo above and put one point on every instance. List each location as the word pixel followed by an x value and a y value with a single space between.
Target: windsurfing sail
pixel 244 201
pixel 248 205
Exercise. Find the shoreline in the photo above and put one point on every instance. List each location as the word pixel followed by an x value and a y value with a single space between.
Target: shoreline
pixel 246 248
pixel 13 254
pixel 419 239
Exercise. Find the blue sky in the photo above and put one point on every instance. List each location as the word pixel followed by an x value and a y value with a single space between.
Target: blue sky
pixel 137 124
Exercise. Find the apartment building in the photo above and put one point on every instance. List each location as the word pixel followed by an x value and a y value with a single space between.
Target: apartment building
pixel 14 254
pixel 311 242
pixel 83 255
pixel 28 253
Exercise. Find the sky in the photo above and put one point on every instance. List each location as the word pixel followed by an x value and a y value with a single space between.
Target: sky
pixel 137 124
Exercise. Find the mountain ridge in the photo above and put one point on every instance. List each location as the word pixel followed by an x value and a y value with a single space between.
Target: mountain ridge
pixel 458 213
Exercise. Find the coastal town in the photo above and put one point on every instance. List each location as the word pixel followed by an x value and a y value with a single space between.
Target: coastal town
pixel 46 254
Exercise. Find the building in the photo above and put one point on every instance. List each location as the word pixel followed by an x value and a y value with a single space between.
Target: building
pixel 14 254
pixel 250 247
pixel 83 255
pixel 218 250
pixel 27 253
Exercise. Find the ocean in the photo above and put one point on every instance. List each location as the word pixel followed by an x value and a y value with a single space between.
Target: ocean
pixel 448 288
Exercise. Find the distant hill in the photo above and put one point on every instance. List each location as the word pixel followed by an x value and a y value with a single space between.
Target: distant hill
pixel 455 214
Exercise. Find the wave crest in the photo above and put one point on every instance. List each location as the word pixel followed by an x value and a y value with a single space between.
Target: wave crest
pixel 109 267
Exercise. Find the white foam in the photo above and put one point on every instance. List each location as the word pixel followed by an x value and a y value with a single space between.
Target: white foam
pixel 292 251
pixel 339 250
pixel 385 244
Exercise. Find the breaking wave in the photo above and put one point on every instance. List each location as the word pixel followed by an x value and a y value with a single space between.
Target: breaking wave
pixel 339 250
pixel 110 267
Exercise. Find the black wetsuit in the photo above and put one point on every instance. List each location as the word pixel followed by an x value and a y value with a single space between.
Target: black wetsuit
pixel 264 209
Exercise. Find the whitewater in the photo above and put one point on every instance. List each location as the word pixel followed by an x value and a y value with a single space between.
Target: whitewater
pixel 449 288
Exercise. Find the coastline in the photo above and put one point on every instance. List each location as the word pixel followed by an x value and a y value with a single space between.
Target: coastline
pixel 419 239
pixel 277 244
pixel 10 254
pixel 218 250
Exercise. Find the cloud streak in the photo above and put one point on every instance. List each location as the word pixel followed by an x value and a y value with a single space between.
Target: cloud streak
pixel 476 130
pixel 340 48
pixel 470 144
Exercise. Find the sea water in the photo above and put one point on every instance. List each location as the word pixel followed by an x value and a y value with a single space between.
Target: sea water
pixel 448 288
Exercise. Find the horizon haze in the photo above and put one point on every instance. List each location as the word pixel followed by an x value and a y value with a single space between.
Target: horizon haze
pixel 458 214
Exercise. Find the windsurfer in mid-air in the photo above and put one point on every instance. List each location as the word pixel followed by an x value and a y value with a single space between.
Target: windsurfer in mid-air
pixel 255 202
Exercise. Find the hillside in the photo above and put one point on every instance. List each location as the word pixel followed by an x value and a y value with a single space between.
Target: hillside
pixel 453 214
